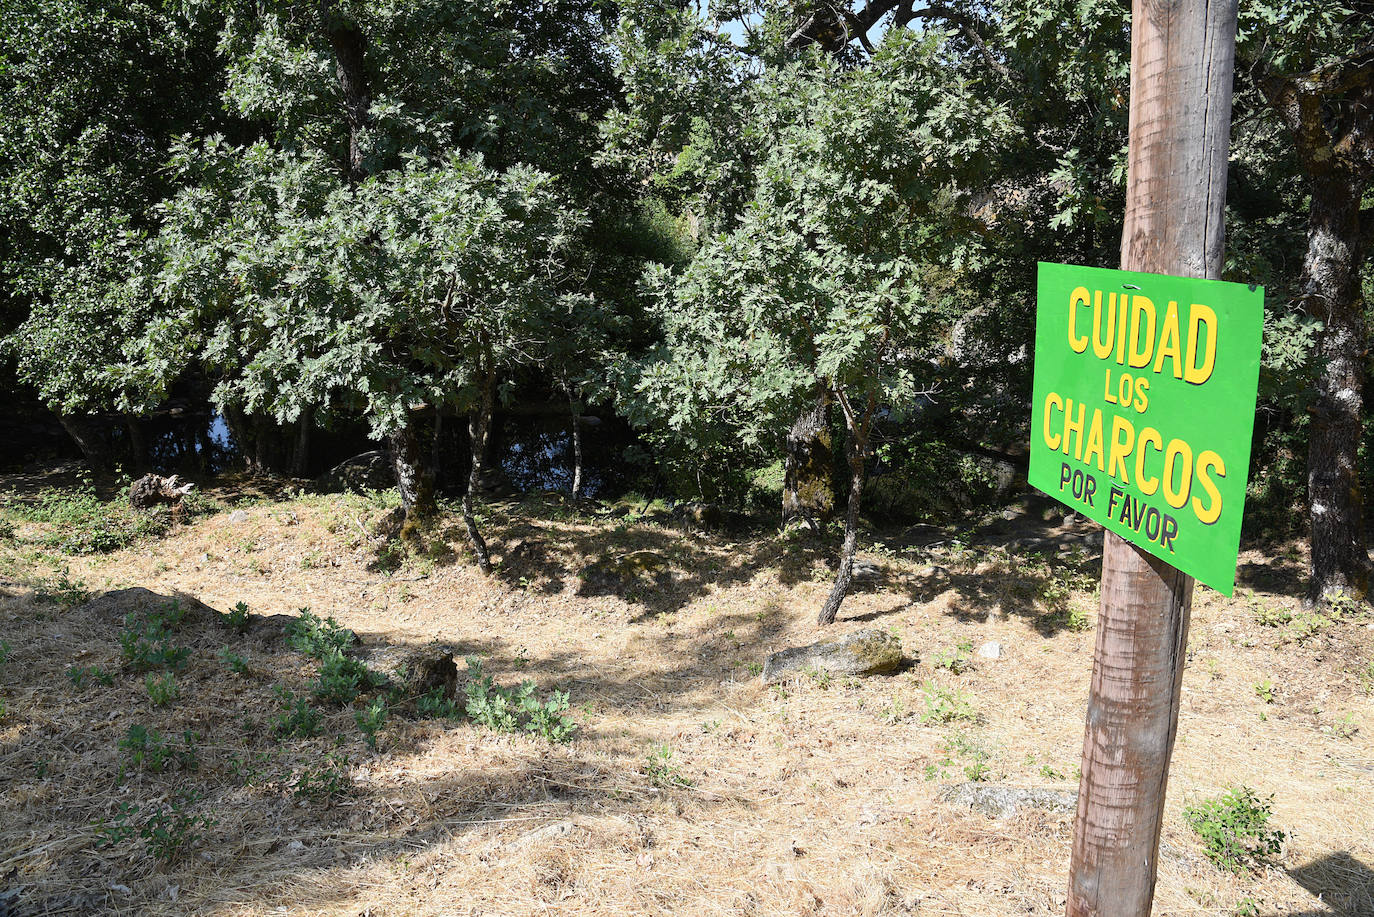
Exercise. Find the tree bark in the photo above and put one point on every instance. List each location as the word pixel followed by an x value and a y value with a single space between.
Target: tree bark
pixel 413 479
pixel 138 444
pixel 479 427
pixel 575 408
pixel 855 451
pixel 1331 292
pixel 808 491
pixel 350 48
pixel 300 456
pixel 87 439
pixel 1182 56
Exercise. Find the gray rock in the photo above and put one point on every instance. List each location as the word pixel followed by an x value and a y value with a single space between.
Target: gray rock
pixel 414 670
pixel 363 472
pixel 990 650
pixel 864 652
pixel 865 571
pixel 238 516
pixel 612 573
pixel 153 489
pixel 996 801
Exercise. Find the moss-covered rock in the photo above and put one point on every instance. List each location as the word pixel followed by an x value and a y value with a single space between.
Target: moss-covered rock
pixel 864 652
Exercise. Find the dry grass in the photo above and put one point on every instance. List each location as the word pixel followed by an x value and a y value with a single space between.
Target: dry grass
pixel 809 798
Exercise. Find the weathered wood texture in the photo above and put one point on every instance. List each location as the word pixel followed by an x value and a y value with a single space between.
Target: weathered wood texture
pixel 1182 55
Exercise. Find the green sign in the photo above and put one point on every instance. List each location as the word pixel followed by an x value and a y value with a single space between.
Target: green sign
pixel 1144 405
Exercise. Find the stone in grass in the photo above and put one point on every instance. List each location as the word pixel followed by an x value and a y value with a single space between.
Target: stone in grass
pixel 864 652
pixel 613 573
pixel 413 670
pixel 996 801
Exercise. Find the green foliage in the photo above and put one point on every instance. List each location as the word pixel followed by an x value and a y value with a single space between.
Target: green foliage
pixel 506 710
pixel 944 705
pixel 1235 831
pixel 238 618
pixel 341 679
pixel 297 717
pixel 662 771
pixel 317 637
pixel 370 720
pixel 167 830
pixel 325 783
pixel 162 689
pixel 957 660
pixel 76 521
pixel 237 664
pixel 148 750
pixel 147 643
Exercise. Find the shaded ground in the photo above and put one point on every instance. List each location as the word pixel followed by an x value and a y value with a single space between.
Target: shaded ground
pixel 691 788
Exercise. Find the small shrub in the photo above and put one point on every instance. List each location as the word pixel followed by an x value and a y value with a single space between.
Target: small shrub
pixel 80 675
pixel 958 660
pixel 341 679
pixel 147 644
pixel 162 689
pixel 238 618
pixel 506 710
pixel 297 717
pixel 1264 690
pixel 237 664
pixel 1235 831
pixel 318 637
pixel 171 829
pixel 435 705
pixel 944 705
pixel 487 704
pixel 62 590
pixel 661 770
pixel 325 783
pixel 148 750
pixel 548 718
pixel 370 720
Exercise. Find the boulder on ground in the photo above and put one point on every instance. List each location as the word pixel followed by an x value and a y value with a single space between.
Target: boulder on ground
pixel 413 670
pixel 154 490
pixel 996 801
pixel 864 652
pixel 363 472
pixel 617 572
pixel 116 605
pixel 701 517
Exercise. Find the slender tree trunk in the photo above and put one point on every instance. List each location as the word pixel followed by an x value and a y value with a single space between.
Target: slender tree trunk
pixel 350 47
pixel 413 478
pixel 138 444
pixel 479 428
pixel 855 451
pixel 808 465
pixel 1182 54
pixel 242 436
pixel 87 439
pixel 300 457
pixel 1331 292
pixel 577 444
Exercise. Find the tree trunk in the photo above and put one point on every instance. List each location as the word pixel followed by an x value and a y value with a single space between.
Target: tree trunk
pixel 300 456
pixel 855 451
pixel 138 444
pixel 479 427
pixel 808 491
pixel 577 445
pixel 87 439
pixel 350 46
pixel 1331 292
pixel 413 478
pixel 1182 57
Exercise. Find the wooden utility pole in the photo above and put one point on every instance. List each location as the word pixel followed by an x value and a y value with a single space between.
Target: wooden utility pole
pixel 1182 57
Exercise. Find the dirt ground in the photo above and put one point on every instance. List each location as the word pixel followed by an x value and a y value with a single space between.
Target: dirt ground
pixel 691 787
